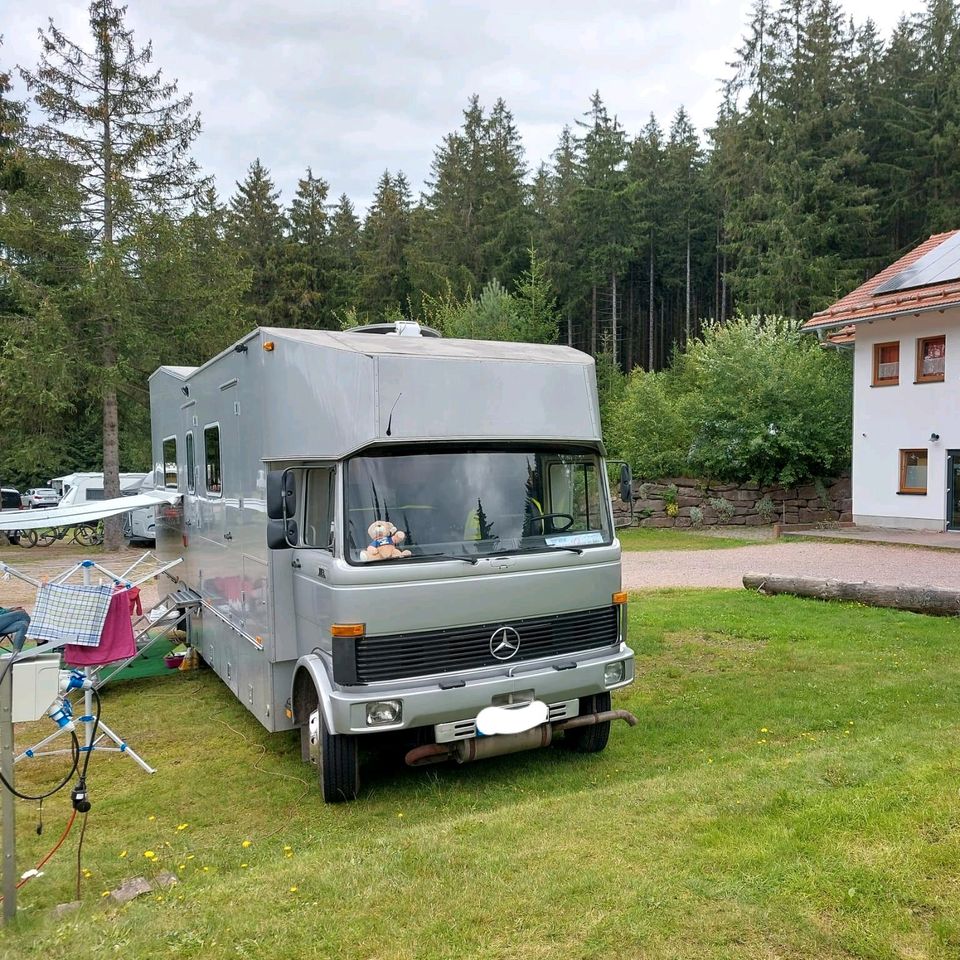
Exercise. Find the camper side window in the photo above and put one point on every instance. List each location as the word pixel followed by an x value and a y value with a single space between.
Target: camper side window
pixel 318 509
pixel 211 450
pixel 170 478
pixel 191 464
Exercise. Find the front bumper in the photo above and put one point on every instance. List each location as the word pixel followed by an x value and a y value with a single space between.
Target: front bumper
pixel 454 698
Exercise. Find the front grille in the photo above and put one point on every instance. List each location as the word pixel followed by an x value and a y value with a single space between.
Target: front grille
pixel 468 648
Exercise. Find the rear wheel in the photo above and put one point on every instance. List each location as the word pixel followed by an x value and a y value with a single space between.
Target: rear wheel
pixel 594 738
pixel 44 537
pixel 335 757
pixel 88 535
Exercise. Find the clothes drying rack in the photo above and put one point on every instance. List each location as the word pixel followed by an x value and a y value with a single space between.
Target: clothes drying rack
pixel 147 632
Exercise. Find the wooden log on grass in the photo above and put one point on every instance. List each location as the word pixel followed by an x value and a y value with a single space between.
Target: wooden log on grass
pixel 935 601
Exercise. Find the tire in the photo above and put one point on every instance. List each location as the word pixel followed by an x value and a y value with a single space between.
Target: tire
pixel 335 756
pixel 88 535
pixel 44 537
pixel 28 538
pixel 594 738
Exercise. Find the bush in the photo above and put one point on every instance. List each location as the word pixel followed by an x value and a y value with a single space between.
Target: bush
pixel 754 399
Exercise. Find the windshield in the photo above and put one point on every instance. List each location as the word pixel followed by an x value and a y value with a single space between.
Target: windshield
pixel 475 503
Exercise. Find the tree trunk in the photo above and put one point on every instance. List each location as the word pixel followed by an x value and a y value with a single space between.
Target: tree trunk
pixel 650 320
pixel 613 289
pixel 932 600
pixel 593 324
pixel 112 526
pixel 687 325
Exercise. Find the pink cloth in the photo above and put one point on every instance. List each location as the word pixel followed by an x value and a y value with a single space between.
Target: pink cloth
pixel 116 639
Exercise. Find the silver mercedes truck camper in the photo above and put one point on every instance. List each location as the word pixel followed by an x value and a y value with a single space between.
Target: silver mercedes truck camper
pixel 397 532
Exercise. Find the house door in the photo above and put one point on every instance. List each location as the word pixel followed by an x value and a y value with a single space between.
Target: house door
pixel 953 489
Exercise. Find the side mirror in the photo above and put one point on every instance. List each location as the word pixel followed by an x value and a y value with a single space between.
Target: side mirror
pixel 281 534
pixel 281 494
pixel 626 483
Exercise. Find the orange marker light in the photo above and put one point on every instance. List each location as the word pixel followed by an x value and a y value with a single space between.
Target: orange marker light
pixel 347 629
pixel 620 597
pixel 268 346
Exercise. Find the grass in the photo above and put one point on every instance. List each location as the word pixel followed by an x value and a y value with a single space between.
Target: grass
pixel 667 538
pixel 791 791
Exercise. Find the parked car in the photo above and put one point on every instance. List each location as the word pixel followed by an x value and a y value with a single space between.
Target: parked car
pixel 40 497
pixel 10 500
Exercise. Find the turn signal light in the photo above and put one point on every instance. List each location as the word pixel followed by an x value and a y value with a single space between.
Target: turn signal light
pixel 347 629
pixel 268 345
pixel 620 597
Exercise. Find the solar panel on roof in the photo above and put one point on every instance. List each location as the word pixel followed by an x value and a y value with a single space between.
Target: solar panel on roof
pixel 941 264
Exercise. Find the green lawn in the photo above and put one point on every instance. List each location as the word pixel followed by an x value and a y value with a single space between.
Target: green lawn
pixel 791 791
pixel 667 538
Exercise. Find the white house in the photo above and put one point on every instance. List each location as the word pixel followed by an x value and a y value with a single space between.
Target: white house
pixel 904 325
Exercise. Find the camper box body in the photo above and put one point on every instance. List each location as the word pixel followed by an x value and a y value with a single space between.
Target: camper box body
pixel 312 402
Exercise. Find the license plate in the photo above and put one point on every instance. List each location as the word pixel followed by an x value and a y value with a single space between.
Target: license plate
pixel 512 719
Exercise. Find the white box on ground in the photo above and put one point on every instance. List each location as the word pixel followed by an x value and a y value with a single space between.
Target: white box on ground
pixel 36 684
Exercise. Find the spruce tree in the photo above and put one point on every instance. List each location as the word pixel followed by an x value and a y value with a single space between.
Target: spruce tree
pixel 385 250
pixel 128 131
pixel 256 227
pixel 305 273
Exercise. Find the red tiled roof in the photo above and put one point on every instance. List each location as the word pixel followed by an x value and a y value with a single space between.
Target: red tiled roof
pixel 860 304
pixel 843 336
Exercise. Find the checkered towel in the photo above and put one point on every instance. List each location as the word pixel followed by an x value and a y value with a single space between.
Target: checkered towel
pixel 71 613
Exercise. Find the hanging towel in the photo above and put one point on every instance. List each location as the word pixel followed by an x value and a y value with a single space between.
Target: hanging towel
pixel 116 640
pixel 71 612
pixel 136 605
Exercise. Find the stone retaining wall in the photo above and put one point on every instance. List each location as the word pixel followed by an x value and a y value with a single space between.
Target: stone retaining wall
pixel 686 502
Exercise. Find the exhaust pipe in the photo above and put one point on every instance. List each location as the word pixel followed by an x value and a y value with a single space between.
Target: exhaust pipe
pixel 589 719
pixel 479 748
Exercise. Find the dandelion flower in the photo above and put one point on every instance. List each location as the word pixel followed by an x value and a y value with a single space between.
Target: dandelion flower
pixel 206 869
pixel 151 817
pixel 243 866
pixel 294 889
pixel 764 730
pixel 106 893
pixel 149 854
pixel 190 856
pixel 182 826
pixel 246 843
pixel 400 815
pixel 123 853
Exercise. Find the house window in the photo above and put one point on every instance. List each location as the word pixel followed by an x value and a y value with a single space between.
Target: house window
pixel 913 471
pixel 170 479
pixel 931 352
pixel 211 451
pixel 886 364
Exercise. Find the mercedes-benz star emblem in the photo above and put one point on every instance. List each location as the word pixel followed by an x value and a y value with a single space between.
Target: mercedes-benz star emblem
pixel 504 643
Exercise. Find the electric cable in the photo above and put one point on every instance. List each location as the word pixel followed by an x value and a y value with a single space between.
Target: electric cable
pixel 83 830
pixel 75 745
pixel 53 850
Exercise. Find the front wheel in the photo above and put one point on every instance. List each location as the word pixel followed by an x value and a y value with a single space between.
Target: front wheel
pixel 88 534
pixel 335 757
pixel 594 738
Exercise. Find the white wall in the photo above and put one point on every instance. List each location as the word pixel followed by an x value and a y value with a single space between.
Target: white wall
pixel 887 419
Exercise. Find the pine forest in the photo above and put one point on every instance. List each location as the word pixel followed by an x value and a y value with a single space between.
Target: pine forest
pixel 834 150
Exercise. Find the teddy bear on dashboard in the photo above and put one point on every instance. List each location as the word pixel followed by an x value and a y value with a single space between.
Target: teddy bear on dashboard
pixel 385 539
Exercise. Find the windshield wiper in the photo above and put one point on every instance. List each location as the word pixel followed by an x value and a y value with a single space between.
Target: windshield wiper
pixel 444 556
pixel 546 548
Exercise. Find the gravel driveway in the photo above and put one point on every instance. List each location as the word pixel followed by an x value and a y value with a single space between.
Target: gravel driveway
pixel 879 563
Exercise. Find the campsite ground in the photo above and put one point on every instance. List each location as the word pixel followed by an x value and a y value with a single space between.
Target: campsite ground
pixel 790 791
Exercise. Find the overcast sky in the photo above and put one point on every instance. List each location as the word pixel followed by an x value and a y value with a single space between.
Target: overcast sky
pixel 352 88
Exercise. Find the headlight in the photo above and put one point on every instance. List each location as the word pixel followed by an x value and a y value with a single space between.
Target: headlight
pixel 384 711
pixel 613 673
